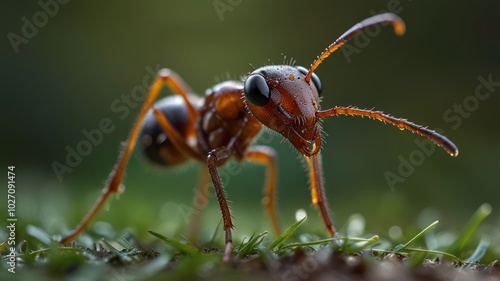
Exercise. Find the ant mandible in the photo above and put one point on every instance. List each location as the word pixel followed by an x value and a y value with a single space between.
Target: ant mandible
pixel 226 121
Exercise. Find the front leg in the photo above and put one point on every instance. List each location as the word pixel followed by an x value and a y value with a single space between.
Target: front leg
pixel 318 191
pixel 213 158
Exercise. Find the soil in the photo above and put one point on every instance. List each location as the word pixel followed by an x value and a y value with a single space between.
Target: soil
pixel 327 265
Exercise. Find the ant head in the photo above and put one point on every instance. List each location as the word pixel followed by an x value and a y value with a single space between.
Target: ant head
pixel 286 99
pixel 282 99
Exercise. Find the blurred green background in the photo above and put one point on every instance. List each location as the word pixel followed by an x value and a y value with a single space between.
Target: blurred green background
pixel 83 58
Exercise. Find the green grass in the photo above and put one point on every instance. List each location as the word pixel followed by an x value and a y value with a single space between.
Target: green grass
pixel 128 259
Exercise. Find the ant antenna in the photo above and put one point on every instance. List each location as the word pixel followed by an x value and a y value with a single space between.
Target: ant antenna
pixel 397 23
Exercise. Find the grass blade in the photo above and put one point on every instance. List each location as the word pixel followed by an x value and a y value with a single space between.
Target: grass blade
pixel 480 251
pixel 482 212
pixel 434 252
pixel 281 239
pixel 123 257
pixel 40 234
pixel 307 244
pixel 402 247
pixel 416 250
pixel 359 241
pixel 185 248
pixel 361 245
pixel 246 248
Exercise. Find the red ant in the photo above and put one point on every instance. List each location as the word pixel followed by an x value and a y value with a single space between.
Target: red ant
pixel 226 121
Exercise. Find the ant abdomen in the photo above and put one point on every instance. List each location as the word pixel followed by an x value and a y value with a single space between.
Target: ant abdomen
pixel 155 145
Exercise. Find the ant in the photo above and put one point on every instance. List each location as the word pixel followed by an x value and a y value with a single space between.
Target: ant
pixel 228 119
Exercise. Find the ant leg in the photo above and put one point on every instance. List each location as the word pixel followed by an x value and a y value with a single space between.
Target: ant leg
pixel 181 144
pixel 318 191
pixel 179 141
pixel 215 156
pixel 265 155
pixel 402 124
pixel 200 201
pixel 164 77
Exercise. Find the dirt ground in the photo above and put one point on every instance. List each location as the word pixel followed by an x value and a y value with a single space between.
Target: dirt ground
pixel 325 265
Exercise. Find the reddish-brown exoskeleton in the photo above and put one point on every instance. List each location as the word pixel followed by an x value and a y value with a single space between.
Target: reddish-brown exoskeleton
pixel 226 121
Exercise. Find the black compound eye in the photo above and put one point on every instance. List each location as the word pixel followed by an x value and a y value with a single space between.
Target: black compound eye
pixel 256 90
pixel 314 78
